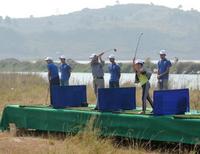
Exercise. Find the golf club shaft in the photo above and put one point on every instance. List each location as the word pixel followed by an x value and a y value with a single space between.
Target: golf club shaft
pixel 106 51
pixel 138 43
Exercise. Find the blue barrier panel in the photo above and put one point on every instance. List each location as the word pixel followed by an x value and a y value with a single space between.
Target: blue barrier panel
pixel 114 99
pixel 169 102
pixel 68 96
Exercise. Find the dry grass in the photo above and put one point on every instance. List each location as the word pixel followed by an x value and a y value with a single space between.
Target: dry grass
pixel 86 143
pixel 90 94
pixel 195 99
pixel 18 88
pixel 31 89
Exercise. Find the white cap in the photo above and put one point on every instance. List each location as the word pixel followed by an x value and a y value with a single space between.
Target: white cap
pixel 139 61
pixel 48 58
pixel 62 57
pixel 111 56
pixel 162 52
pixel 93 55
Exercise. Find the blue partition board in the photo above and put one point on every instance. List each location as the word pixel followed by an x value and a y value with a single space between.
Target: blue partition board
pixel 68 96
pixel 114 99
pixel 170 102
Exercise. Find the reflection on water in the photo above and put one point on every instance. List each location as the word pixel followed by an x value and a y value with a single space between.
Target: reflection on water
pixel 176 80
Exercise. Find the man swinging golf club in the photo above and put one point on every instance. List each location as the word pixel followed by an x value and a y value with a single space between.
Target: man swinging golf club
pixel 163 71
pixel 97 65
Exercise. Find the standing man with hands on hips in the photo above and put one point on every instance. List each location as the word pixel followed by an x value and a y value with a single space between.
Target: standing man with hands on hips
pixel 115 73
pixel 53 75
pixel 163 71
pixel 65 71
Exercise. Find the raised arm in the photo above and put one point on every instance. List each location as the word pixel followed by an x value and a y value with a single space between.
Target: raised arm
pixel 100 58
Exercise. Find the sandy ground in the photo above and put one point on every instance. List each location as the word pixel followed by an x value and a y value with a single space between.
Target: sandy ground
pixel 10 144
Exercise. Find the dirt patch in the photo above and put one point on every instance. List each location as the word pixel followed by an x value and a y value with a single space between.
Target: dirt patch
pixel 13 144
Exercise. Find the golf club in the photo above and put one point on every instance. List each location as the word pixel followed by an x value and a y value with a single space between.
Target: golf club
pixel 138 43
pixel 115 50
pixel 106 51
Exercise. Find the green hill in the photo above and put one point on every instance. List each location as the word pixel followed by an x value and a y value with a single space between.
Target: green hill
pixel 78 34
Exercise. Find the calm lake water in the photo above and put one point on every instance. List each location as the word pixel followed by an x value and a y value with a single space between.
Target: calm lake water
pixel 176 80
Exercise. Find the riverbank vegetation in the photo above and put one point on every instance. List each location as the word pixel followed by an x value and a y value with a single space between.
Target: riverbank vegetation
pixel 14 65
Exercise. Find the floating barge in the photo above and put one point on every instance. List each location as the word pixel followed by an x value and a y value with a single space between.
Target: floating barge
pixel 130 124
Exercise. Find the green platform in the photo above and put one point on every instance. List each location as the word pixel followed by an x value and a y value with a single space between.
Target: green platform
pixel 182 128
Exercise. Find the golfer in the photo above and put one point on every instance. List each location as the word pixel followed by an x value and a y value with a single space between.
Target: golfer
pixel 142 77
pixel 97 65
pixel 115 73
pixel 65 71
pixel 163 71
pixel 53 76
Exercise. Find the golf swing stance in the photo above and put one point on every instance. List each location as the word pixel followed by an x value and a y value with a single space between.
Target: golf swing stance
pixel 97 65
pixel 142 77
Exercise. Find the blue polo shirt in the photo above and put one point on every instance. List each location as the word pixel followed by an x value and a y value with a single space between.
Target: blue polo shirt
pixel 114 71
pixel 53 70
pixel 65 70
pixel 163 64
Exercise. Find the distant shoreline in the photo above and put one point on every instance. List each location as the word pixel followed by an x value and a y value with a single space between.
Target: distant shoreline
pixel 15 65
pixel 129 61
pixel 124 61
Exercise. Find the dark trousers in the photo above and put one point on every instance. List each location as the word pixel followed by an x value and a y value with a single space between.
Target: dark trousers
pixel 114 84
pixel 53 82
pixel 163 84
pixel 146 96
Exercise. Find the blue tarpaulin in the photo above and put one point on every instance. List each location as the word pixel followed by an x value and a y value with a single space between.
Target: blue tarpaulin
pixel 68 96
pixel 113 99
pixel 169 102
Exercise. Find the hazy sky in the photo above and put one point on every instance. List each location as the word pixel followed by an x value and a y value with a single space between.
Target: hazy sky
pixel 25 8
